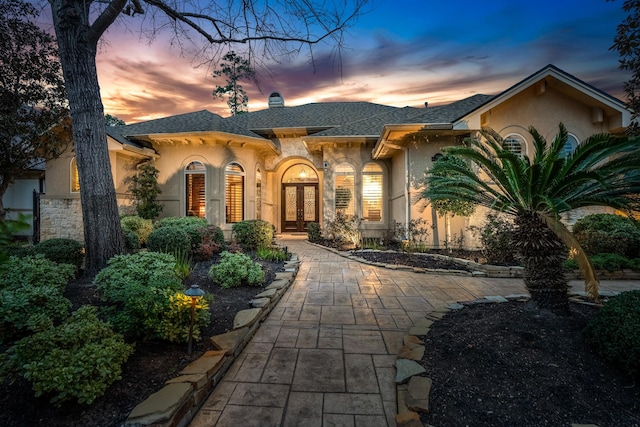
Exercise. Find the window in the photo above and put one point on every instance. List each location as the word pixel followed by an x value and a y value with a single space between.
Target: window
pixel 514 143
pixel 195 189
pixel 344 188
pixel 372 192
pixel 570 145
pixel 258 194
pixel 75 178
pixel 234 193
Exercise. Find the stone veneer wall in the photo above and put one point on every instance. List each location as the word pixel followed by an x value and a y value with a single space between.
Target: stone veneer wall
pixel 62 218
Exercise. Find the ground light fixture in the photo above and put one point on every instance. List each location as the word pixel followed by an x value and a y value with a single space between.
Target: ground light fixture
pixel 194 292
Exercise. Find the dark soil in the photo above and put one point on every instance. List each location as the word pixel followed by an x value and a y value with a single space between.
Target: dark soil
pixel 427 261
pixel 512 365
pixel 144 373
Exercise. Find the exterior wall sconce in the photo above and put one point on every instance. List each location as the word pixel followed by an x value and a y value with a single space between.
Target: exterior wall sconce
pixel 194 292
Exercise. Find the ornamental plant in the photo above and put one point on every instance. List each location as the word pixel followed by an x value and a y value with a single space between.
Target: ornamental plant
pixel 253 234
pixel 235 270
pixel 77 360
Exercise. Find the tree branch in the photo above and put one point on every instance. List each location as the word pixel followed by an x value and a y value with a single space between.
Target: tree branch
pixel 105 19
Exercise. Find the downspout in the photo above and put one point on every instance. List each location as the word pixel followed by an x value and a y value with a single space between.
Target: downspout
pixel 406 191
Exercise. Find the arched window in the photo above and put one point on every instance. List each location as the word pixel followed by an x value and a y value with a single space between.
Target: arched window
pixel 234 193
pixel 570 145
pixel 75 178
pixel 258 194
pixel 372 192
pixel 195 178
pixel 514 143
pixel 344 188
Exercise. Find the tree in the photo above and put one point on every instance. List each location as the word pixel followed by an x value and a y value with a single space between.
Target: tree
pixel 626 43
pixel 113 120
pixel 79 25
pixel 145 190
pixel 235 69
pixel 32 95
pixel 450 207
pixel 604 170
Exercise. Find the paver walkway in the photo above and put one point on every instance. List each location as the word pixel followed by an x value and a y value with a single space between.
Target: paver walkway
pixel 326 354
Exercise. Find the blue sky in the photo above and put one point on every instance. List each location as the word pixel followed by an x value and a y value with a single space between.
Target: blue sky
pixel 402 52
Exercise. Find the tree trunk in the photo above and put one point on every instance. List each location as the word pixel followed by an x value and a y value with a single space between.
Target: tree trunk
pixel 102 232
pixel 542 254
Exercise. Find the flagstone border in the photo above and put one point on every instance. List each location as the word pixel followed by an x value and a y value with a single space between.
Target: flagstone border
pixel 179 400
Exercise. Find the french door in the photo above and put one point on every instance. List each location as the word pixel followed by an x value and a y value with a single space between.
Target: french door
pixel 299 206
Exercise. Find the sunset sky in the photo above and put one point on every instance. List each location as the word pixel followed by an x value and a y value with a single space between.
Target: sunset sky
pixel 402 52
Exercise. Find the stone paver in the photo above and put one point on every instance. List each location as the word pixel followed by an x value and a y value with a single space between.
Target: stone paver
pixel 326 355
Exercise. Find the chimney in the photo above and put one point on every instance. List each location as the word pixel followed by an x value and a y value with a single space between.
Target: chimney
pixel 276 100
pixel 426 104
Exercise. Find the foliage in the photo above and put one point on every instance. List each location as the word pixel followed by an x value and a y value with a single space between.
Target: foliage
pixel 113 120
pixel 31 291
pixel 496 238
pixel 235 270
pixel 140 226
pixel 606 261
pixel 235 69
pixel 344 228
pixel 8 228
pixel 602 171
pixel 137 288
pixel 183 263
pixel 253 234
pixel 176 319
pixel 194 226
pixel 212 242
pixel 614 333
pixel 608 233
pixel 626 43
pixel 273 254
pixel 314 234
pixel 374 243
pixel 454 206
pixel 77 360
pixel 32 95
pixel 169 239
pixel 62 251
pixel 144 189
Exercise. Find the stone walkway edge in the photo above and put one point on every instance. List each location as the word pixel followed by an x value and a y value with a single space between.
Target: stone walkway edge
pixel 180 399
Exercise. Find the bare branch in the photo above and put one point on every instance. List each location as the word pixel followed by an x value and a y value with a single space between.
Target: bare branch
pixel 106 18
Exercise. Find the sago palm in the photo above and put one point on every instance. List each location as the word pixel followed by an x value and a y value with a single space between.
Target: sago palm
pixel 604 170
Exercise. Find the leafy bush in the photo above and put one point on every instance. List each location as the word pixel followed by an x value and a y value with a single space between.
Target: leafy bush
pixel 144 188
pixel 138 287
pixel 253 234
pixel 141 227
pixel 169 239
pixel 496 237
pixel 176 319
pixel 212 242
pixel 8 228
pixel 236 270
pixel 313 232
pixel 77 360
pixel 35 270
pixel 344 228
pixel 131 241
pixel 615 332
pixel 609 262
pixel 62 251
pixel 273 254
pixel 192 225
pixel 608 233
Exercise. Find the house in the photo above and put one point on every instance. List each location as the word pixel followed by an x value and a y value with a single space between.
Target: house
pixel 295 165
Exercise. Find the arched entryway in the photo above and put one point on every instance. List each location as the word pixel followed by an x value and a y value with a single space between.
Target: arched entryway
pixel 300 199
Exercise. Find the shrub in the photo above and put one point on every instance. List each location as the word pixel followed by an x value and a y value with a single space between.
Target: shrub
pixel 141 227
pixel 192 225
pixel 496 237
pixel 273 254
pixel 77 360
pixel 608 233
pixel 253 234
pixel 131 241
pixel 8 229
pixel 144 188
pixel 31 294
pixel 62 251
pixel 138 287
pixel 614 333
pixel 236 270
pixel 344 228
pixel 212 242
pixel 169 239
pixel 176 319
pixel 313 232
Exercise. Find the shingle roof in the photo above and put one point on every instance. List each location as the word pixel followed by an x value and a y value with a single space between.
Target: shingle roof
pixel 451 112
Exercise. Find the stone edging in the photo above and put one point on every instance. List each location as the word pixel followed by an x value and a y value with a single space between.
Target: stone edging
pixel 180 399
pixel 412 390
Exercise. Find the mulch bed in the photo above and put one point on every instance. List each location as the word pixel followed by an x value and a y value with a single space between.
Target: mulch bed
pixel 144 373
